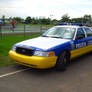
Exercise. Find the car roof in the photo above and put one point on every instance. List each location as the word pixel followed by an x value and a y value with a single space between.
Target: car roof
pixel 69 26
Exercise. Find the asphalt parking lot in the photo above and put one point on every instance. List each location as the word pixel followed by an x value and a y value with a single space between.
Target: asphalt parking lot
pixel 77 78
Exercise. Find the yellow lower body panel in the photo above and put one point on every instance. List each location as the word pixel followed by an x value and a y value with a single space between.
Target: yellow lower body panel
pixel 33 61
pixel 44 62
pixel 81 51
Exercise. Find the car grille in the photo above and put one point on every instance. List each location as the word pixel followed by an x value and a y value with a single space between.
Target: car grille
pixel 24 51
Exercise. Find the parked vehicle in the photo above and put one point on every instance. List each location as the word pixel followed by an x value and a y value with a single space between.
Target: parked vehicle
pixel 54 48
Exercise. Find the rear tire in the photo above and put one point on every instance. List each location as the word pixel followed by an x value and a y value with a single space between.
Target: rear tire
pixel 62 61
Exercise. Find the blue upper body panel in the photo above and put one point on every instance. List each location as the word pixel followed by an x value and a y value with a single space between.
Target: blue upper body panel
pixel 59 46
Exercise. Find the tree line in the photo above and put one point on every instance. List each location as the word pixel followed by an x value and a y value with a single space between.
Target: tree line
pixel 86 19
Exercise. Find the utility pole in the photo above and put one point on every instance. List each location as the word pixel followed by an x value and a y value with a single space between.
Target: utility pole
pixel 51 18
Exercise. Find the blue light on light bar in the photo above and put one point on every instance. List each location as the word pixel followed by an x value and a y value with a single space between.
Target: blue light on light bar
pixel 73 24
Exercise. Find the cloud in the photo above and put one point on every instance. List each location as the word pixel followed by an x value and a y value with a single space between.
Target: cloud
pixel 45 8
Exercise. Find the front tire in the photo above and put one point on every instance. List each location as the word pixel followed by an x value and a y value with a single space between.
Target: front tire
pixel 62 61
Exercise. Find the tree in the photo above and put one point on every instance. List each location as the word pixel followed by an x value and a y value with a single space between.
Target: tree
pixel 87 19
pixel 10 19
pixel 28 20
pixel 65 18
pixel 54 21
pixel 45 21
pixel 18 19
pixel 35 21
pixel 3 18
pixel 77 20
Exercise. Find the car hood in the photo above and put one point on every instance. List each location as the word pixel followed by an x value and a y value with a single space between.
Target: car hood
pixel 42 42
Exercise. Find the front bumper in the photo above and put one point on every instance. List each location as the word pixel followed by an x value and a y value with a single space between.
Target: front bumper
pixel 33 61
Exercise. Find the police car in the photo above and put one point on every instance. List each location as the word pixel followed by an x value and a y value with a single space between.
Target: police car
pixel 54 48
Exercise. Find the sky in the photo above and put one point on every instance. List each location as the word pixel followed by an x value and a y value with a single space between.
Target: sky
pixel 45 8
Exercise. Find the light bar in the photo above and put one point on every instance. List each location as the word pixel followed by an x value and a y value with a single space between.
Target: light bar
pixel 73 24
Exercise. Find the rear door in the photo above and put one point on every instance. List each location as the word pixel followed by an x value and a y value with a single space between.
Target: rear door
pixel 89 38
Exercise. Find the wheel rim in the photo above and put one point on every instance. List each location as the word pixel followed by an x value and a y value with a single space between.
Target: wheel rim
pixel 64 59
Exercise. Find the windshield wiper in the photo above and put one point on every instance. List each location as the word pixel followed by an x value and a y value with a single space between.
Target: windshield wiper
pixel 44 36
pixel 55 37
pixel 50 36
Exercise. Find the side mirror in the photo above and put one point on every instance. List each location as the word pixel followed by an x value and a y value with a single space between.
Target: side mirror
pixel 78 37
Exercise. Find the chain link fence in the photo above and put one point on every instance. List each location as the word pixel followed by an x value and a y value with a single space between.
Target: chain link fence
pixel 23 30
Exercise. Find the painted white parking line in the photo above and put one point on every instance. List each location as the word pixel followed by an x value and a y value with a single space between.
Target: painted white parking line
pixel 11 73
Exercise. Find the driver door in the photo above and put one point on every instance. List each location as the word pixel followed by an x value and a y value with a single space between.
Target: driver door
pixel 80 43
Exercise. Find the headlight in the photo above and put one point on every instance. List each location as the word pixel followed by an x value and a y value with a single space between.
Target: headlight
pixel 13 48
pixel 44 54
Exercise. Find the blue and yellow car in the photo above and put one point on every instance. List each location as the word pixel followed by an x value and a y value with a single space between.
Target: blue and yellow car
pixel 54 48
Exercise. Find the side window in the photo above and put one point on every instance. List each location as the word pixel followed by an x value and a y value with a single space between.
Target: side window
pixel 88 32
pixel 80 34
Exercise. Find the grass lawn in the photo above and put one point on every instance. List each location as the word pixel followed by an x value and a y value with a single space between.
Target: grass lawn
pixel 6 44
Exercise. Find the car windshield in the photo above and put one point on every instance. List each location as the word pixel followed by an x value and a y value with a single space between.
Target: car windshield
pixel 60 32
